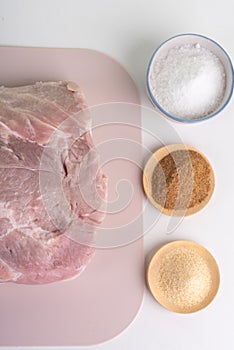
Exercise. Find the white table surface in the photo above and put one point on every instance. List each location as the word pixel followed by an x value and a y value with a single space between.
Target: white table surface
pixel 129 31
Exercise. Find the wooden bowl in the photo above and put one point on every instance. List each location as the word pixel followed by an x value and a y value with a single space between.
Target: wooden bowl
pixel 147 180
pixel 183 277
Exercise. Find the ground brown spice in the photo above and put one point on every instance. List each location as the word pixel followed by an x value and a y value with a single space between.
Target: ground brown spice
pixel 181 180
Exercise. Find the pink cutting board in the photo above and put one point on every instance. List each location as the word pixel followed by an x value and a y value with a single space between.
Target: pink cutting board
pixel 104 300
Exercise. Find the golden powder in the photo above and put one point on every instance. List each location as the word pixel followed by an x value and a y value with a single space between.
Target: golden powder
pixel 181 180
pixel 184 278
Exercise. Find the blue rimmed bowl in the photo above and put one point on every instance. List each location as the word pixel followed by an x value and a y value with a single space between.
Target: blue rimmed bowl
pixel 213 46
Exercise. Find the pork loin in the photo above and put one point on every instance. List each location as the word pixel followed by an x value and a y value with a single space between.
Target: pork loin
pixel 52 192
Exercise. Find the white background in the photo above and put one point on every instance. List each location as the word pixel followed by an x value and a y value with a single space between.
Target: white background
pixel 129 31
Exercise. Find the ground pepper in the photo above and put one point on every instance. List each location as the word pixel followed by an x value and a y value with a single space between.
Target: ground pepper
pixel 181 180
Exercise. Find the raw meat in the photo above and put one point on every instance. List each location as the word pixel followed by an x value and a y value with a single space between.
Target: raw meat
pixel 52 192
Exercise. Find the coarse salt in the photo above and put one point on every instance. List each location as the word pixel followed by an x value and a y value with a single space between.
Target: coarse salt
pixel 189 82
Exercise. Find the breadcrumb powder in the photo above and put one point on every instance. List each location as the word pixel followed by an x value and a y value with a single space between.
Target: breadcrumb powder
pixel 184 278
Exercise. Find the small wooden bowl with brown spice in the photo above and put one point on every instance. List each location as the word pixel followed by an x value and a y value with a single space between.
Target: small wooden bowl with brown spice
pixel 178 180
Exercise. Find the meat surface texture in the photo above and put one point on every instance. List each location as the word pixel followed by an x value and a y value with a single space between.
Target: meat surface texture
pixel 52 192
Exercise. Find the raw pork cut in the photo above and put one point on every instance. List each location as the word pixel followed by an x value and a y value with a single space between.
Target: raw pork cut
pixel 52 192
